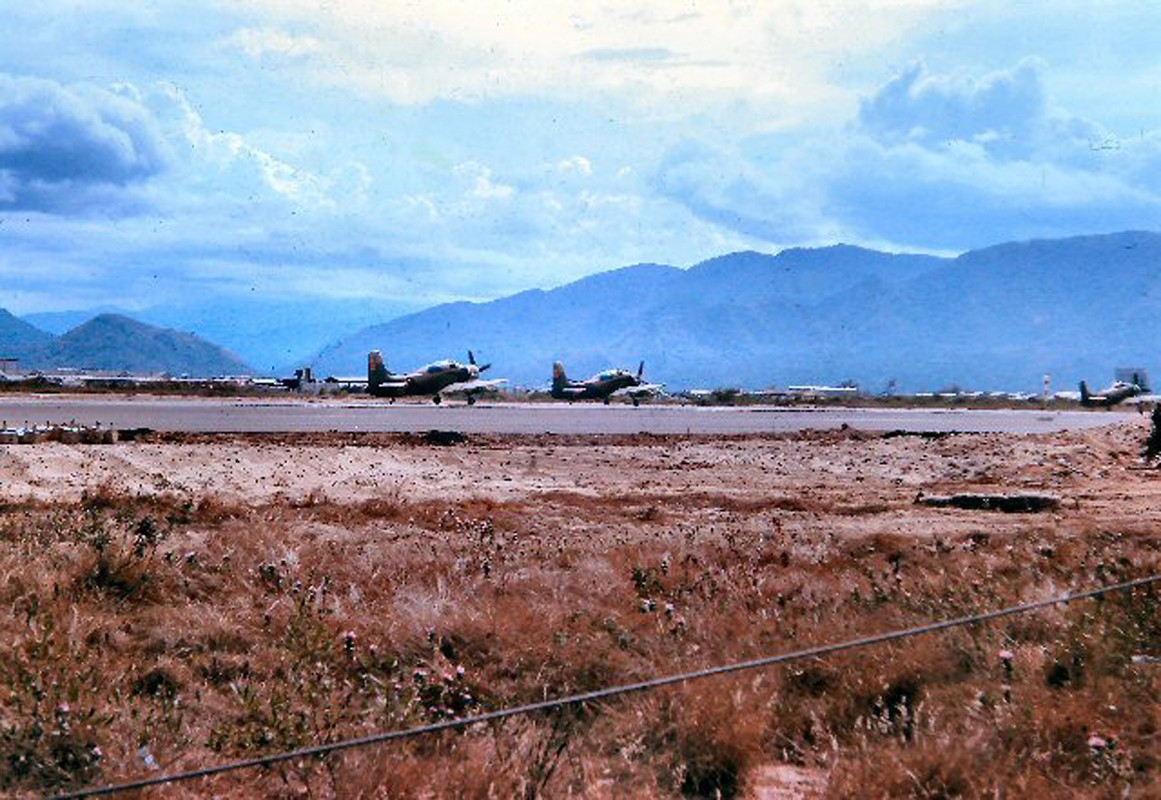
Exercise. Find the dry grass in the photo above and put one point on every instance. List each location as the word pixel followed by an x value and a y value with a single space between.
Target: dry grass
pixel 162 631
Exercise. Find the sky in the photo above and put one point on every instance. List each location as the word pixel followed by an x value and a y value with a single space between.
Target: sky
pixel 420 152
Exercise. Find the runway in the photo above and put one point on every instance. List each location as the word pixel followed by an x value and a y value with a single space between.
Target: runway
pixel 289 414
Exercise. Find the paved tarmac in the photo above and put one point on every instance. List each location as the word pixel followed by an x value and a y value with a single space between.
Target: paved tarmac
pixel 257 415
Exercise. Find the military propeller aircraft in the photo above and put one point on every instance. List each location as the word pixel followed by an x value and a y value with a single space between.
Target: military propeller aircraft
pixel 1109 397
pixel 435 379
pixel 604 385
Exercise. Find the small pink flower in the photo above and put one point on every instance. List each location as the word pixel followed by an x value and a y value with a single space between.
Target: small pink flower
pixel 63 708
pixel 1097 742
pixel 1007 655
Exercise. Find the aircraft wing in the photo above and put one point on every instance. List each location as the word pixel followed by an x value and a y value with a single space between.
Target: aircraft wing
pixel 1145 398
pixel 641 390
pixel 472 387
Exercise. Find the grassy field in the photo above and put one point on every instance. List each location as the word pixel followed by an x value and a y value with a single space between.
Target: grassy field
pixel 152 630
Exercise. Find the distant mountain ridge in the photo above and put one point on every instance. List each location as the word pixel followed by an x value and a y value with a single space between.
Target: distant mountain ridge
pixel 999 317
pixel 996 318
pixel 20 340
pixel 271 334
pixel 117 343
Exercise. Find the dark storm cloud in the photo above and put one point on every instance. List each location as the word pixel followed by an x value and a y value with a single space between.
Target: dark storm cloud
pixel 59 143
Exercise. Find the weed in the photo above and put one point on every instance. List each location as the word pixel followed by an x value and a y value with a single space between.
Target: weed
pixel 52 725
pixel 122 559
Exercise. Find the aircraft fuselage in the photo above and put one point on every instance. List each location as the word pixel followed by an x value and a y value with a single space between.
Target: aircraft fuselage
pixel 1117 393
pixel 595 388
pixel 429 380
pixel 601 386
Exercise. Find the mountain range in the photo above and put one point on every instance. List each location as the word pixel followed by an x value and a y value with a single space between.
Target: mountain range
pixel 271 334
pixel 116 343
pixel 996 318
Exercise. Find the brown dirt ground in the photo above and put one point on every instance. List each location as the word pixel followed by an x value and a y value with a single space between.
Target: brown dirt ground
pixel 865 483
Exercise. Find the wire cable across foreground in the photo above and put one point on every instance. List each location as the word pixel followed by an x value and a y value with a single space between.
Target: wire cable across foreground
pixel 611 691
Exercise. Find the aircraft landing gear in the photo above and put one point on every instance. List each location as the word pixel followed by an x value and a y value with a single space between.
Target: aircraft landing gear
pixel 606 400
pixel 436 399
pixel 636 402
pixel 471 399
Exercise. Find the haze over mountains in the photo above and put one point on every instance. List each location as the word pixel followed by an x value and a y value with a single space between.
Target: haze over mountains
pixel 995 318
pixel 271 334
pixel 116 343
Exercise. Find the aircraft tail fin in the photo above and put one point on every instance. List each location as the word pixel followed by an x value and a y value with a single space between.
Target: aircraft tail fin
pixel 559 378
pixel 376 369
pixel 1085 397
pixel 640 369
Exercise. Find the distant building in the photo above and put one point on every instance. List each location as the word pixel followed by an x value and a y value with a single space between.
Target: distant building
pixel 823 391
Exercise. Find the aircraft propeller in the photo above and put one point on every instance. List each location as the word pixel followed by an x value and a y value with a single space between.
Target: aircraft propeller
pixel 472 361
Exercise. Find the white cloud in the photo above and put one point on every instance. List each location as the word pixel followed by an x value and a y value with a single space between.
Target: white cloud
pixel 708 53
pixel 935 162
pixel 483 187
pixel 258 43
pixel 577 164
pixel 234 157
pixel 1005 110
